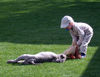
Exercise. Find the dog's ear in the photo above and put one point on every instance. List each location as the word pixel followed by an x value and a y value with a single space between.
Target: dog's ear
pixel 62 56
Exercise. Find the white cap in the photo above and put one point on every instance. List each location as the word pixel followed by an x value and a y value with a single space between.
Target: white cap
pixel 65 21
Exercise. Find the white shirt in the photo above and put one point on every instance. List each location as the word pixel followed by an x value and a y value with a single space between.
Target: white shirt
pixel 80 29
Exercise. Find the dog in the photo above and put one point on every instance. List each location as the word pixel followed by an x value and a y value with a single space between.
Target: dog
pixel 39 58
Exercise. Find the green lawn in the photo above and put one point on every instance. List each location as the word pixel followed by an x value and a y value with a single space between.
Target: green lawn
pixel 32 26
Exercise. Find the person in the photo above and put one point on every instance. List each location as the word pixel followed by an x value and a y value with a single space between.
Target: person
pixel 81 33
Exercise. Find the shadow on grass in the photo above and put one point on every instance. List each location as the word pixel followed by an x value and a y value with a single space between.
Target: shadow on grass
pixel 93 68
pixel 16 64
pixel 38 22
pixel 20 64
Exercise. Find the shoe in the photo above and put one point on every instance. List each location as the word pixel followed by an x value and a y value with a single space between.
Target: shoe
pixel 83 55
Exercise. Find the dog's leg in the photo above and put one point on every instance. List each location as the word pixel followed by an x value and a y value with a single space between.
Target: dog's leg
pixel 11 61
pixel 22 57
pixel 32 62
pixel 25 63
pixel 29 61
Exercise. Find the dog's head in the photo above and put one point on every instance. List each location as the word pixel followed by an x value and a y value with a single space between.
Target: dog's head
pixel 61 58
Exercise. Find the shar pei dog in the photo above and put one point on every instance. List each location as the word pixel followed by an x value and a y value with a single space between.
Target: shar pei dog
pixel 39 58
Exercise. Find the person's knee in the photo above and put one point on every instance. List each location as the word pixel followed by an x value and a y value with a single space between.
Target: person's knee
pixel 83 48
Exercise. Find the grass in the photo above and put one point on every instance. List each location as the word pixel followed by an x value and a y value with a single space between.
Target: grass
pixel 31 26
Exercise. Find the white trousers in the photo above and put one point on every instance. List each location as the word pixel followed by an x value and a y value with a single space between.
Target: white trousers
pixel 84 44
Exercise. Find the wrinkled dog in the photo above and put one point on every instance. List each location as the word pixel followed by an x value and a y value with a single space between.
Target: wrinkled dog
pixel 39 58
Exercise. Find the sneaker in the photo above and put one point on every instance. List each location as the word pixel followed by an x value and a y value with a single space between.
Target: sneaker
pixel 83 55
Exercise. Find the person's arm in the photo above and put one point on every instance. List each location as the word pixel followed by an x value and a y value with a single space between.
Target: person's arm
pixel 74 39
pixel 70 50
